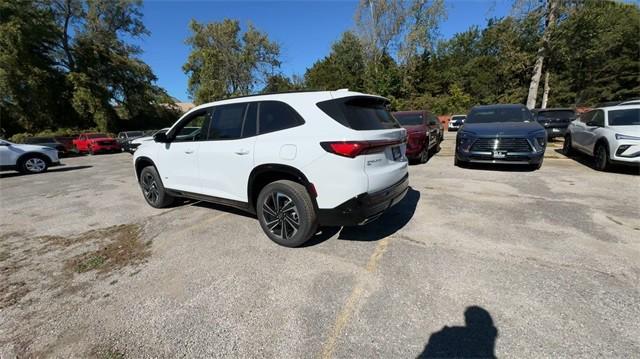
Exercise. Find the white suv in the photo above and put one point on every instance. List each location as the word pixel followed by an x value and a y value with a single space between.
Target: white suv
pixel 296 160
pixel 609 134
pixel 27 158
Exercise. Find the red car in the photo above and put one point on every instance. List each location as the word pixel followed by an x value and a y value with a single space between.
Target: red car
pixel 424 133
pixel 96 142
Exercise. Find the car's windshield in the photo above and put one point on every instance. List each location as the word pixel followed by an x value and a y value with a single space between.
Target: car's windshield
pixel 39 140
pixel 498 114
pixel 458 119
pixel 96 135
pixel 630 117
pixel 561 114
pixel 134 133
pixel 409 119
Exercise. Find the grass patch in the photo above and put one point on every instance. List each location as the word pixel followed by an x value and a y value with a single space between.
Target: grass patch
pixel 90 264
pixel 123 247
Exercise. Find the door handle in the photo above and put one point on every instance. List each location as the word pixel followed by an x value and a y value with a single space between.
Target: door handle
pixel 242 152
pixel 188 152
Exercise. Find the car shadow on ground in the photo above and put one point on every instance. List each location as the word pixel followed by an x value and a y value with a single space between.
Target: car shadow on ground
pixel 389 223
pixel 589 162
pixel 477 339
pixel 52 170
pixel 498 167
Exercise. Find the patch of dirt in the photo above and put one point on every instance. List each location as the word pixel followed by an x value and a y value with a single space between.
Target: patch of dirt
pixel 44 276
pixel 125 248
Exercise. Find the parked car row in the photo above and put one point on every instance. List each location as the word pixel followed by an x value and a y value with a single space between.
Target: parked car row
pixel 512 134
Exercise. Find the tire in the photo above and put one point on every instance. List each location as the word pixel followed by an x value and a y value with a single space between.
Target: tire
pixel 424 155
pixel 601 157
pixel 152 188
pixel 567 148
pixel 278 206
pixel 31 164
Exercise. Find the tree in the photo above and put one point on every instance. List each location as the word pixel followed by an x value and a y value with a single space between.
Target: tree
pixel 344 67
pixel 225 62
pixel 281 83
pixel 66 64
pixel 550 20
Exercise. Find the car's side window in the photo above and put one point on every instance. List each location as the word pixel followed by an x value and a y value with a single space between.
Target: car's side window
pixel 275 116
pixel 432 119
pixel 194 128
pixel 598 119
pixel 586 117
pixel 226 122
pixel 250 125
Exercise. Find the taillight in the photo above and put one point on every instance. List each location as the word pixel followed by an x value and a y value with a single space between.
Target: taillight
pixel 354 149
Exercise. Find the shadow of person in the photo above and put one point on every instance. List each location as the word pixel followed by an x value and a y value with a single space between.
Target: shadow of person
pixel 476 339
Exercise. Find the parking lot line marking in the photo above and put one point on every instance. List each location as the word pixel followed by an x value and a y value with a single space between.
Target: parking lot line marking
pixel 350 304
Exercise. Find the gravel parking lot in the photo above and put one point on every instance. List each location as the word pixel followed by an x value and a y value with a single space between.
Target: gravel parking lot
pixel 541 263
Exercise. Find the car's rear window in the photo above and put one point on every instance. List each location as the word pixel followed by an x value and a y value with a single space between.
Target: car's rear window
pixel 630 117
pixel 409 119
pixel 360 113
pixel 561 114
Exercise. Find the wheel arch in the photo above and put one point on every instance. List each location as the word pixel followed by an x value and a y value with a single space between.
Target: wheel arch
pixel 141 163
pixel 270 172
pixel 602 140
pixel 25 155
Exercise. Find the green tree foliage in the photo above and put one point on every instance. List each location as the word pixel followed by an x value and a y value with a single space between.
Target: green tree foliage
pixel 344 67
pixel 596 54
pixel 64 63
pixel 225 62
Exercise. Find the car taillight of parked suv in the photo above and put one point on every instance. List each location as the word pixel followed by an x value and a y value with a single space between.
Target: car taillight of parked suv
pixel 296 160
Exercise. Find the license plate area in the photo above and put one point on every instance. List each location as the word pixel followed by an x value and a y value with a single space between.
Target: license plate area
pixel 499 154
pixel 396 153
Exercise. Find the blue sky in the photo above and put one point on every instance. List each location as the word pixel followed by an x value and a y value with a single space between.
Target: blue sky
pixel 305 30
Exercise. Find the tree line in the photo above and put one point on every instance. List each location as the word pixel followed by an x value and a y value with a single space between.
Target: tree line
pixel 66 63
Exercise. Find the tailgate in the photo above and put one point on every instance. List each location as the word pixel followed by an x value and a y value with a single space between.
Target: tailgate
pixel 388 164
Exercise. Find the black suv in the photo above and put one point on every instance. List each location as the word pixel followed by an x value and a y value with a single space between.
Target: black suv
pixel 554 120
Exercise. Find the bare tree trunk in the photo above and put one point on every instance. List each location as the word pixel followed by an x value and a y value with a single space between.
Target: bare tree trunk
pixel 537 68
pixel 545 93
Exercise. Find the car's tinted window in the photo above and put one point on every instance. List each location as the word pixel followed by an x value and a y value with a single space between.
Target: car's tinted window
pixel 586 117
pixel 561 114
pixel 360 113
pixel 250 120
pixel 409 119
pixel 630 117
pixel 498 114
pixel 275 115
pixel 226 122
pixel 194 128
pixel 433 120
pixel 597 119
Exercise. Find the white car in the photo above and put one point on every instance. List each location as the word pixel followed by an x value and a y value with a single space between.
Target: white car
pixel 456 121
pixel 296 160
pixel 27 158
pixel 610 134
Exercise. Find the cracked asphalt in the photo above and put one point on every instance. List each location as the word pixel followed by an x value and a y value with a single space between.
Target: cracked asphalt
pixel 473 262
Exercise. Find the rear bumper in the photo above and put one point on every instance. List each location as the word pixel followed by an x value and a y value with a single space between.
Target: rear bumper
pixel 365 207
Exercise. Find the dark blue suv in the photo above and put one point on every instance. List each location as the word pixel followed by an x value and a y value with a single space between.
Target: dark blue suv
pixel 501 134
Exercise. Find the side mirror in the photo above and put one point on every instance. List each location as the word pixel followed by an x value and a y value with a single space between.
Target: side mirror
pixel 161 137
